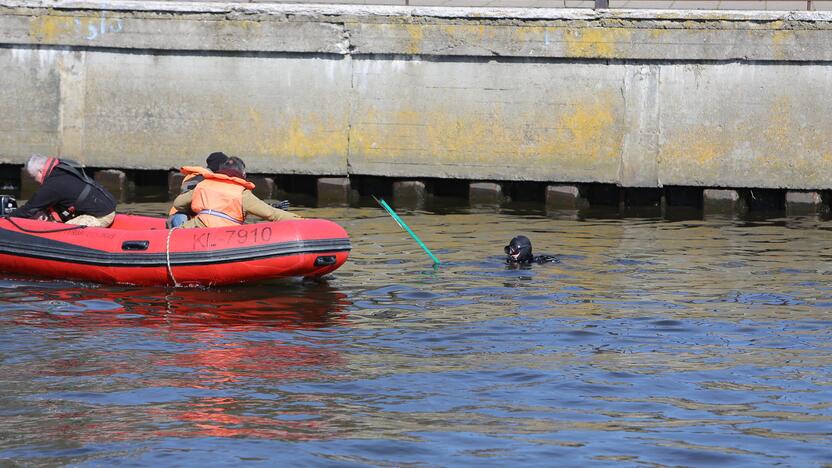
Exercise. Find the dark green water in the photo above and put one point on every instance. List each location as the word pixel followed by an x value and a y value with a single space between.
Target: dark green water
pixel 652 342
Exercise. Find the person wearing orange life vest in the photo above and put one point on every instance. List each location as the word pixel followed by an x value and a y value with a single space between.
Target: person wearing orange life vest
pixel 193 176
pixel 224 198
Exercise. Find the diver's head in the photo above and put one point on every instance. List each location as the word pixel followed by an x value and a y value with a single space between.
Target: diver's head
pixel 519 250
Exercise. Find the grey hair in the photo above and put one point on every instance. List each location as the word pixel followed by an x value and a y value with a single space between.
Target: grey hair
pixel 34 164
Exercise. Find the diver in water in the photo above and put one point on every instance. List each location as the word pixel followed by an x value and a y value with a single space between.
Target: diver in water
pixel 519 252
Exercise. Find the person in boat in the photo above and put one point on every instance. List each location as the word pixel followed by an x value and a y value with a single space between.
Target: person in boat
pixel 66 194
pixel 224 198
pixel 519 252
pixel 193 176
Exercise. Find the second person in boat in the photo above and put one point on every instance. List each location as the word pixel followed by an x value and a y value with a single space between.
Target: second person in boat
pixel 224 198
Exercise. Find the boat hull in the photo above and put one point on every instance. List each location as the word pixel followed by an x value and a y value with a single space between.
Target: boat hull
pixel 139 250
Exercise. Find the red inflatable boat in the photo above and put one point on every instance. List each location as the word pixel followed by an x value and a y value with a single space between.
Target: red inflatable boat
pixel 139 250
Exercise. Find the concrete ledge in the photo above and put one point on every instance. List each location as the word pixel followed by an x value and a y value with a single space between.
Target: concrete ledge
pixel 723 201
pixel 380 29
pixel 806 203
pixel 334 191
pixel 410 193
pixel 567 197
pixel 485 193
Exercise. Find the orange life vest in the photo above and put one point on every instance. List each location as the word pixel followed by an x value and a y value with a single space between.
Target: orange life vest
pixel 191 172
pixel 218 200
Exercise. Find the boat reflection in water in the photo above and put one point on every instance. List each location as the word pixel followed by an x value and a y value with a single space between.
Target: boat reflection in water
pixel 182 363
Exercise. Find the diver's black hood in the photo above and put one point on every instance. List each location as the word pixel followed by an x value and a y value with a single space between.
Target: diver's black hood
pixel 519 250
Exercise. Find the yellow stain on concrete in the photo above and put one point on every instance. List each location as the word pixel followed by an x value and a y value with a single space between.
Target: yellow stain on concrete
pixel 780 41
pixel 534 33
pixel 586 135
pixel 585 126
pixel 49 28
pixel 306 137
pixel 703 147
pixel 779 130
pixel 795 145
pixel 311 136
pixel 596 42
pixel 55 29
pixel 415 38
pixel 776 139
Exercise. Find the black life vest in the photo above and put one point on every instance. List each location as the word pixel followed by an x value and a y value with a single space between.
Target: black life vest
pixel 74 168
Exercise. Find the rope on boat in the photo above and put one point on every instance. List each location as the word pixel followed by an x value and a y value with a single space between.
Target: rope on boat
pixel 167 256
pixel 47 231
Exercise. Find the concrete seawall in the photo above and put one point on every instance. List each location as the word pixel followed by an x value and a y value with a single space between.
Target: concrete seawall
pixel 634 98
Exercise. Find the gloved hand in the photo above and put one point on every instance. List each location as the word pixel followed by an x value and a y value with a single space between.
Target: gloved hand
pixel 282 205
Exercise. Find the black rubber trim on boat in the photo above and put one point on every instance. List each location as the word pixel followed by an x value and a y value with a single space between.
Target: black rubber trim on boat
pixel 25 245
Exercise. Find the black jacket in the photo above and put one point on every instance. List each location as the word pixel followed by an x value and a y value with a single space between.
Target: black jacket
pixel 61 191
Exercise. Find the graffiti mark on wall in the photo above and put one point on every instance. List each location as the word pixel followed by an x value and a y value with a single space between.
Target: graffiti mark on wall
pixel 95 29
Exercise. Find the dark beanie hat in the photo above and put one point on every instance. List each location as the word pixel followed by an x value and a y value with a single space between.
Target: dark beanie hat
pixel 215 160
pixel 233 167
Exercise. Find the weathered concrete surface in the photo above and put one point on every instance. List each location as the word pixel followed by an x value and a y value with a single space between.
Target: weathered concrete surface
pixel 735 125
pixel 281 114
pixel 485 121
pixel 29 104
pixel 634 98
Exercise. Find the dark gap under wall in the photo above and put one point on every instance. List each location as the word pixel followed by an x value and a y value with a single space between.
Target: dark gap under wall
pixel 526 191
pixel 450 187
pixel 641 197
pixel 442 194
pixel 602 194
pixel 148 186
pixel 690 197
pixel 294 183
pixel 10 179
pixel 765 199
pixel 369 186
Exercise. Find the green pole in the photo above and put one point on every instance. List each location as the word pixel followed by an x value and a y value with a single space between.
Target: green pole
pixel 406 228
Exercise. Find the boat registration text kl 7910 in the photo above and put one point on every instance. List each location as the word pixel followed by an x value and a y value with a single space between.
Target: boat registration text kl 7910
pixel 204 240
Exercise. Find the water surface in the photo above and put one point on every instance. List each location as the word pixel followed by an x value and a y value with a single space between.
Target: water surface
pixel 652 342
